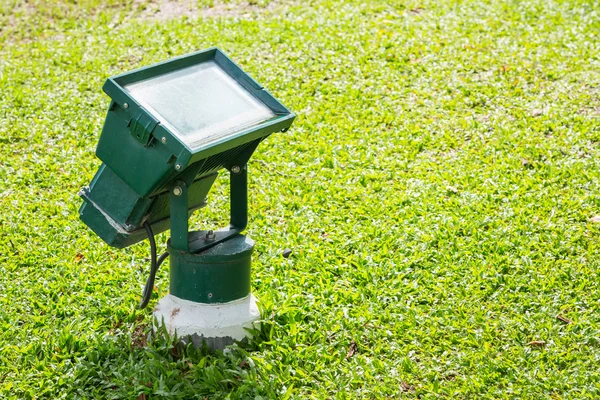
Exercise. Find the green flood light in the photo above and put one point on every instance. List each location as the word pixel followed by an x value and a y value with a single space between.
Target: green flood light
pixel 170 128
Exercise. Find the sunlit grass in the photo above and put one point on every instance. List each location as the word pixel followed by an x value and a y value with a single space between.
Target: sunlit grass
pixel 436 191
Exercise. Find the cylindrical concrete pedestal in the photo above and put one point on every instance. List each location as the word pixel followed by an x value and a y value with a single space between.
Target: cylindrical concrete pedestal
pixel 218 324
pixel 210 296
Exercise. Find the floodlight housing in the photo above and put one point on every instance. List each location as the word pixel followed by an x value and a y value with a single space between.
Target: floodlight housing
pixel 186 118
pixel 170 128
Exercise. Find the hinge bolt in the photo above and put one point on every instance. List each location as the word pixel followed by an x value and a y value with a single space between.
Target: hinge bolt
pixel 125 105
pixel 177 167
pixel 164 140
pixel 235 169
pixel 177 191
pixel 210 236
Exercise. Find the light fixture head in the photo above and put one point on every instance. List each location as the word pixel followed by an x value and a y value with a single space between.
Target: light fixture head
pixel 187 117
pixel 182 111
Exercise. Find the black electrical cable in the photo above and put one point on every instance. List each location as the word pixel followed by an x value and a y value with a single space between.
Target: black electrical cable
pixel 155 264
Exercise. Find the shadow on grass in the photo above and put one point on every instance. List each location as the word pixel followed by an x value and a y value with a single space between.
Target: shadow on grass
pixel 143 365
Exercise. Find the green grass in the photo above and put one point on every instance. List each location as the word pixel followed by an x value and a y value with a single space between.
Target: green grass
pixel 436 190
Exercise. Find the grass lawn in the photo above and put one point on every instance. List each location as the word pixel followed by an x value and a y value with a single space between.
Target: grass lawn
pixel 438 190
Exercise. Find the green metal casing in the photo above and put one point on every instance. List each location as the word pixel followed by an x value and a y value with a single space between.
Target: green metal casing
pixel 116 213
pixel 139 166
pixel 217 275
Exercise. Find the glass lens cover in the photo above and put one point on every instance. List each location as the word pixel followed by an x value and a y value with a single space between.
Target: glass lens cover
pixel 201 104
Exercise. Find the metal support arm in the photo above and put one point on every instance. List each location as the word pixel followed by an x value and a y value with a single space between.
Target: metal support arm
pixel 194 242
pixel 238 198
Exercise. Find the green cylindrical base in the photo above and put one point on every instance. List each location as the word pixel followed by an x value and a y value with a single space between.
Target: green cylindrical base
pixel 217 275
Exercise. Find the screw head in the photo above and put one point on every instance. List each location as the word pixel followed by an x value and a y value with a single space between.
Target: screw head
pixel 210 236
pixel 164 139
pixel 177 167
pixel 177 191
pixel 210 295
pixel 125 105
pixel 236 169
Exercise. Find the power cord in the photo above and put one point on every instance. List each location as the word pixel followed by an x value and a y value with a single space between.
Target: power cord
pixel 155 264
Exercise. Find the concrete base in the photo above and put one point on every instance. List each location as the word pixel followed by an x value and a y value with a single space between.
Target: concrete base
pixel 219 325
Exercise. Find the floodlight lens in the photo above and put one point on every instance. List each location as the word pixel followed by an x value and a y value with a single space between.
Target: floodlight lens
pixel 201 104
